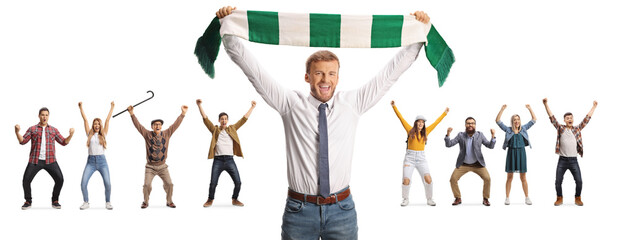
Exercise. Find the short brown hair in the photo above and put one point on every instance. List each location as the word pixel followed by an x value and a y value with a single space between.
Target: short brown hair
pixel 323 55
pixel 567 114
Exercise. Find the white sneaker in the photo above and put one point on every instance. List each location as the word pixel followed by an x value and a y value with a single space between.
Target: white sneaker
pixel 431 202
pixel 85 206
pixel 404 202
pixel 528 201
pixel 108 206
pixel 507 201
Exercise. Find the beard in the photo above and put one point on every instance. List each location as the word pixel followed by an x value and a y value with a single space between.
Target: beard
pixel 470 131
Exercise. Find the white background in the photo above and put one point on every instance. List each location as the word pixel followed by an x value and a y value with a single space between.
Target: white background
pixel 57 53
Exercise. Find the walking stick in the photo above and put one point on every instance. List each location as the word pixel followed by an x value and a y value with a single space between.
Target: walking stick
pixel 149 91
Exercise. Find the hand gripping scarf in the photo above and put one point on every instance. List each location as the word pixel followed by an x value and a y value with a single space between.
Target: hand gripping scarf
pixel 325 30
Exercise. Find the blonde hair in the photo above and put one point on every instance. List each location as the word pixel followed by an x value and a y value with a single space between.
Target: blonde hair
pixel 92 133
pixel 512 122
pixel 323 55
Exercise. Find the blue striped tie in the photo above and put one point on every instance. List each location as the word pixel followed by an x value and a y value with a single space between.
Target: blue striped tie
pixel 323 163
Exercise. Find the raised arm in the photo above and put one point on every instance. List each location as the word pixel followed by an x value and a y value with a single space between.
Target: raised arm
pixel 178 121
pixel 531 111
pixel 595 105
pixel 588 117
pixel 107 120
pixel 430 128
pixel 545 101
pixel 141 129
pixel 498 116
pixel 253 105
pixel 209 125
pixel 369 94
pixel 86 126
pixel 20 138
pixel 450 142
pixel 485 142
pixel 405 124
pixel 273 94
pixel 199 103
pixel 65 141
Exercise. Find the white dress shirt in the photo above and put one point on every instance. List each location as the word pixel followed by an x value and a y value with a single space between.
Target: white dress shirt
pixel 299 112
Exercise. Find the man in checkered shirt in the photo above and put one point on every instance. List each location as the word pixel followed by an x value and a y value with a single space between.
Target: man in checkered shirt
pixel 42 155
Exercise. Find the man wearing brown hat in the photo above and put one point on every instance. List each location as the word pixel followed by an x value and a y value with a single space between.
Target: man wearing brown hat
pixel 157 142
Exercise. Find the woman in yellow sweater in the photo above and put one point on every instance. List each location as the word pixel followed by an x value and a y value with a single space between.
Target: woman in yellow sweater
pixel 415 155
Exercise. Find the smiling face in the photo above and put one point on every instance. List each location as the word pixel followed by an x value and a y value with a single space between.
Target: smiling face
pixel 420 123
pixel 516 121
pixel 470 125
pixel 156 126
pixel 96 125
pixel 323 78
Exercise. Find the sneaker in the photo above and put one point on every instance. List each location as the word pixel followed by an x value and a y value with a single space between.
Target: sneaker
pixel 237 203
pixel 26 205
pixel 431 202
pixel 85 205
pixel 404 202
pixel 208 203
pixel 527 200
pixel 56 205
pixel 507 201
pixel 108 206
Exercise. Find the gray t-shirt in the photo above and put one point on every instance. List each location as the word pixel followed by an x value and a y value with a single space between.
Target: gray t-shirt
pixel 567 147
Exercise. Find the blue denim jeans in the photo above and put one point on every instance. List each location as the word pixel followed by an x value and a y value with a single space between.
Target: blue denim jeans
pixel 220 164
pixel 305 220
pixel 564 164
pixel 96 163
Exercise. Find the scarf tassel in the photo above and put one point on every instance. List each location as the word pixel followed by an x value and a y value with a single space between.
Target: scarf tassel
pixel 207 47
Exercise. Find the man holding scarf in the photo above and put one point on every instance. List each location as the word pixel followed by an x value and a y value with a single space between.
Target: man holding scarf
pixel 319 203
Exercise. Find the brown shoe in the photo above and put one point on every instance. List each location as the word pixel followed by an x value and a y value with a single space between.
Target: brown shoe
pixel 237 203
pixel 559 201
pixel 144 205
pixel 578 201
pixel 170 205
pixel 208 203
pixel 486 202
pixel 458 201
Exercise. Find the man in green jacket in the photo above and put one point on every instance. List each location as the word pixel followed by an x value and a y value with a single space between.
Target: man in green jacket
pixel 224 144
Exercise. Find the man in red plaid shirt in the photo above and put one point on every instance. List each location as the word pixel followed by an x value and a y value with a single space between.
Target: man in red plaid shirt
pixel 42 155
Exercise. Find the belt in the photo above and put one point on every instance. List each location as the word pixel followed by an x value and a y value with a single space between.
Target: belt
pixel 319 200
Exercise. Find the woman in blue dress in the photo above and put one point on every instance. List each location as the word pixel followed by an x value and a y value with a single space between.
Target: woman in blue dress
pixel 516 139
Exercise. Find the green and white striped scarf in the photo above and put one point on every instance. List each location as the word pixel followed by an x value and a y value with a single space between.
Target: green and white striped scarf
pixel 325 30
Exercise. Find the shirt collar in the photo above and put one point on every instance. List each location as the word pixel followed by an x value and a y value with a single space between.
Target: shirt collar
pixel 316 103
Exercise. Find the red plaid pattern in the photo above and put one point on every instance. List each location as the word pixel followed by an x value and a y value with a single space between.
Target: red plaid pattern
pixel 34 133
pixel 575 130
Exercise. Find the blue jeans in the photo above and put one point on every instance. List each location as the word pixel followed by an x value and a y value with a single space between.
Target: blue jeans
pixel 305 220
pixel 96 163
pixel 220 164
pixel 564 164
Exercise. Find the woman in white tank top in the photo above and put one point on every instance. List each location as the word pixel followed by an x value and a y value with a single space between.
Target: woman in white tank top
pixel 96 156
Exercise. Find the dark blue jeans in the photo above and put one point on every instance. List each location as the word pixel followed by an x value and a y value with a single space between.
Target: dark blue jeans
pixel 220 164
pixel 564 164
